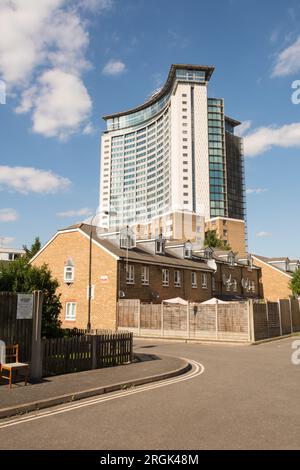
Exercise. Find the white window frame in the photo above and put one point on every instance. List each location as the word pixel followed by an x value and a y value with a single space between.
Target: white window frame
pixel 177 278
pixel 145 275
pixel 72 317
pixel 165 277
pixel 159 247
pixel 204 280
pixel 71 269
pixel 130 274
pixel 194 279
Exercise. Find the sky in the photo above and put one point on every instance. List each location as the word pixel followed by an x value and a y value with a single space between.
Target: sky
pixel 66 63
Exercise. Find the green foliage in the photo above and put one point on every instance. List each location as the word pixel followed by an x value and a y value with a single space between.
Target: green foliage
pixel 35 248
pixel 295 283
pixel 19 276
pixel 213 241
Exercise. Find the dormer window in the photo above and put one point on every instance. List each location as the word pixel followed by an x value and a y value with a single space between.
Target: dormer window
pixel 127 239
pixel 208 253
pixel 231 259
pixel 69 271
pixel 188 250
pixel 160 245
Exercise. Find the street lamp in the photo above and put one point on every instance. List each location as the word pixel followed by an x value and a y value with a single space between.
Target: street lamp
pixel 88 327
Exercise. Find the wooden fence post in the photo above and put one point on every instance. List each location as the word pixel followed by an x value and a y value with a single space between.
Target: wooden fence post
pixel 94 351
pixel 291 314
pixel 188 321
pixel 217 321
pixel 139 318
pixel 280 319
pixel 36 364
pixel 162 319
pixel 267 315
pixel 251 332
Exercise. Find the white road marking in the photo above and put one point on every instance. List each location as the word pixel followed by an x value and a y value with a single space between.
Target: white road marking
pixel 197 370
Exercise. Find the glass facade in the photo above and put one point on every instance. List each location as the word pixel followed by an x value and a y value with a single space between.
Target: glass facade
pixel 139 117
pixel 190 75
pixel 235 177
pixel 217 165
pixel 140 173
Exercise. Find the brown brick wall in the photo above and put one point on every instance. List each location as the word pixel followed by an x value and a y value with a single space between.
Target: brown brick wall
pixel 76 246
pixel 138 291
pixel 275 283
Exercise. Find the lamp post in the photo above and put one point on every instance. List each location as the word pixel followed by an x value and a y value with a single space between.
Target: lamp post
pixel 88 327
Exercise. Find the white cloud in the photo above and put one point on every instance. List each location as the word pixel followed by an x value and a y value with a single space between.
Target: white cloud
pixel 43 44
pixel 264 138
pixel 25 180
pixel 84 212
pixel 255 191
pixel 114 67
pixel 24 30
pixel 8 215
pixel 288 61
pixel 55 112
pixel 6 241
pixel 243 128
pixel 96 6
pixel 263 234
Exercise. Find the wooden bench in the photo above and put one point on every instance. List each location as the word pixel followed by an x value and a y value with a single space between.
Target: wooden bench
pixel 12 353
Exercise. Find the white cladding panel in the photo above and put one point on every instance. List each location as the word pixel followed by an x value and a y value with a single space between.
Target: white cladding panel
pixel 201 151
pixel 181 129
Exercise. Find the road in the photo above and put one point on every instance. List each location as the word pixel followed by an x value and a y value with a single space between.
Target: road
pixel 239 397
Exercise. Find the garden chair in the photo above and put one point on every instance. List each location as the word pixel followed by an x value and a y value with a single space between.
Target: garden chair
pixel 12 364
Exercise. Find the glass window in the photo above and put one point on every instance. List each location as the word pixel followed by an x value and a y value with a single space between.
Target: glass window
pixel 145 275
pixel 130 274
pixel 69 274
pixel 194 279
pixel 177 278
pixel 204 280
pixel 71 311
pixel 165 277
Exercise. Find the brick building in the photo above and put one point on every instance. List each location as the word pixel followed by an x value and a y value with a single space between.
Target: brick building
pixel 276 275
pixel 149 270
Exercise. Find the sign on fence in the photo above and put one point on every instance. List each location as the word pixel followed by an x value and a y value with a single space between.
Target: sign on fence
pixel 24 306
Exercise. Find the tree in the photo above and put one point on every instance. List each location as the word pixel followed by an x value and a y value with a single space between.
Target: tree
pixel 35 248
pixel 213 241
pixel 295 282
pixel 19 276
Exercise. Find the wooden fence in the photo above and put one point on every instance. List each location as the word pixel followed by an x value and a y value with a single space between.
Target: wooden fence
pixel 85 352
pixel 193 321
pixel 13 330
pixel 272 319
pixel 234 321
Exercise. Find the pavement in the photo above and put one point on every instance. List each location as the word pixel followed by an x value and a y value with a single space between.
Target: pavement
pixel 59 389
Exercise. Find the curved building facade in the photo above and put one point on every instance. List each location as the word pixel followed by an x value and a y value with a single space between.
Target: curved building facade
pixel 169 155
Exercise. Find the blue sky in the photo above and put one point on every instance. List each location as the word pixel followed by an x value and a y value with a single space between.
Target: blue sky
pixel 101 56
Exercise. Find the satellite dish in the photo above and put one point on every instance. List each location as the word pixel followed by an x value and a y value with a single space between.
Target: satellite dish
pixel 245 283
pixel 155 295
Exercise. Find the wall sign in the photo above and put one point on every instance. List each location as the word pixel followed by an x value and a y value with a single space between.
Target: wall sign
pixel 24 306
